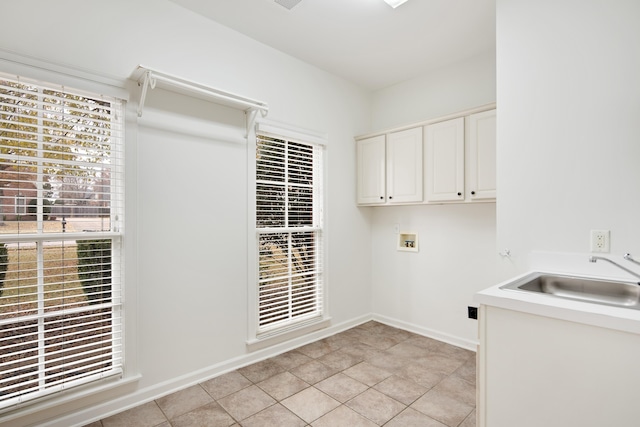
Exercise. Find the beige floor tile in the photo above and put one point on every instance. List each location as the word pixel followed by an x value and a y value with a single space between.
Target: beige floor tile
pixel 340 360
pixel 374 369
pixel 388 362
pixel 367 374
pixel 341 387
pixel 376 406
pixel 428 344
pixel 467 371
pixel 350 334
pixel 342 339
pixel 183 401
pixel 470 421
pixel 343 416
pixel 282 385
pixel 367 325
pixel 458 388
pixel 443 408
pixel 407 351
pixel 310 404
pixel 291 359
pixel 422 374
pixel 274 416
pixel 246 402
pixel 379 341
pixel 412 418
pixel 210 415
pixel 398 334
pixel 453 352
pixel 225 384
pixel 260 371
pixel 94 424
pixel 317 349
pixel 401 389
pixel 441 362
pixel 361 350
pixel 313 372
pixel 146 415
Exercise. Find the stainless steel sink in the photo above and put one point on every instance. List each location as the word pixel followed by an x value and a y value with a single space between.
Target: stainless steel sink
pixel 606 292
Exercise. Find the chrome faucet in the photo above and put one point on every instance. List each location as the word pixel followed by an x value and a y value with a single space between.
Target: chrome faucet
pixel 596 258
pixel 628 257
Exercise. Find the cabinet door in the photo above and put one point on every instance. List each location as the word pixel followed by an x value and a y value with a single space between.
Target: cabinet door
pixel 371 170
pixel 482 155
pixel 404 166
pixel 444 161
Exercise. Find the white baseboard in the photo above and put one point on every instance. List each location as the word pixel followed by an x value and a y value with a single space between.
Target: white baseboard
pixel 156 391
pixel 437 335
pixel 148 394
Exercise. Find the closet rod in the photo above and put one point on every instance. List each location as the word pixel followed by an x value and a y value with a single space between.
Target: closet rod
pixel 149 78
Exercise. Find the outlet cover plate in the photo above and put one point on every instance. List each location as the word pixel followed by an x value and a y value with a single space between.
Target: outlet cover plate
pixel 600 241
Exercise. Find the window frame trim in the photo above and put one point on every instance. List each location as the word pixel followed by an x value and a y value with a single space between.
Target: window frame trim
pixel 92 83
pixel 255 339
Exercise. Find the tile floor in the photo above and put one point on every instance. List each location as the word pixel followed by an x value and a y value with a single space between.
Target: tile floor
pixel 370 375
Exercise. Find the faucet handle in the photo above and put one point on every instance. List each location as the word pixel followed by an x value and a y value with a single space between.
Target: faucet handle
pixel 505 253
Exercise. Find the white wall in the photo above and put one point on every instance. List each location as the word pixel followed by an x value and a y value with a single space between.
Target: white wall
pixel 429 291
pixel 457 87
pixel 189 193
pixel 568 129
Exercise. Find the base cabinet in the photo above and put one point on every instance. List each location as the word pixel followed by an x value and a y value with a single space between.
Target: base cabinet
pixel 537 371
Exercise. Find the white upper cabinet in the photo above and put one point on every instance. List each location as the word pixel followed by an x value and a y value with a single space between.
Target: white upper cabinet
pixel 482 155
pixel 404 166
pixel 371 158
pixel 444 161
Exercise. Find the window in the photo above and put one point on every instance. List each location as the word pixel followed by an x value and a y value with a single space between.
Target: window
pixel 20 205
pixel 61 161
pixel 289 232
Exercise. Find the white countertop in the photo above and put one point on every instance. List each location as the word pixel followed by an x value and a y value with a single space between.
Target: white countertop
pixel 622 319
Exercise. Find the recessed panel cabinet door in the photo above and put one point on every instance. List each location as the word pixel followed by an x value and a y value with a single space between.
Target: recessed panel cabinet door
pixel 371 170
pixel 404 166
pixel 482 155
pixel 444 161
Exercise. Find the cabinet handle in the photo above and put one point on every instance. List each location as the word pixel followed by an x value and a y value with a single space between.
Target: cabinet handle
pixel 390 197
pixel 459 193
pixel 473 193
pixel 381 197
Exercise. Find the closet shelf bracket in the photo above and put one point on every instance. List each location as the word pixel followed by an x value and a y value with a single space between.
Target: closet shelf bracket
pixel 149 78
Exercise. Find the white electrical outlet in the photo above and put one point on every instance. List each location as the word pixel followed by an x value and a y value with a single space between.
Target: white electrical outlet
pixel 600 241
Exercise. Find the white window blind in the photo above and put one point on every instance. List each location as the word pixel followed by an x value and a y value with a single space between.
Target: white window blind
pixel 289 229
pixel 61 158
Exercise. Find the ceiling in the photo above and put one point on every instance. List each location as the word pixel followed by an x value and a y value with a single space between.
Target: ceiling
pixel 364 41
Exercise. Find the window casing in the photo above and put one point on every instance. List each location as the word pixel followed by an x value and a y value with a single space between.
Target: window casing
pixel 61 154
pixel 289 230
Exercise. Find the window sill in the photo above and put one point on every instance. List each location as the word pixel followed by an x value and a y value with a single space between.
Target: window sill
pixel 46 403
pixel 287 334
